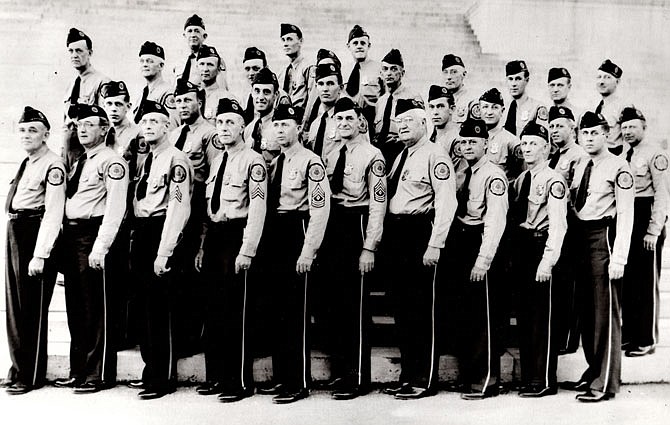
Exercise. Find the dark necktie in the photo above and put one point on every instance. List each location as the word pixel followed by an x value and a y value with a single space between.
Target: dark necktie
pixel 73 183
pixel 386 120
pixel 287 78
pixel 616 150
pixel 15 183
pixel 395 178
pixel 629 154
pixel 182 137
pixel 315 111
pixel 354 82
pixel 599 108
pixel 463 194
pixel 582 191
pixel 74 97
pixel 510 124
pixel 187 68
pixel 337 181
pixel 275 185
pixel 257 135
pixel 433 136
pixel 142 184
pixel 522 200
pixel 249 111
pixel 318 142
pixel 138 114
pixel 216 195
pixel 553 162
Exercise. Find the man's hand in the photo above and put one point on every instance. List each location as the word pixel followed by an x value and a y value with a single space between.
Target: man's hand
pixel 477 274
pixel 36 266
pixel 431 256
pixel 198 259
pixel 616 271
pixel 304 265
pixel 543 273
pixel 96 261
pixel 242 262
pixel 160 265
pixel 366 262
pixel 650 242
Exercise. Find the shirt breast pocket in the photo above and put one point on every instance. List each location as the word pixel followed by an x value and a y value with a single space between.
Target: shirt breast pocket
pixel 209 185
pixel 354 184
pixel 157 184
pixel 234 189
pixel 641 169
pixel 30 184
pixel 91 180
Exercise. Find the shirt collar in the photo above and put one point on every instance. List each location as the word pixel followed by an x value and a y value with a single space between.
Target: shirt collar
pixel 479 164
pixel 90 153
pixel 417 145
pixel 88 72
pixel 538 168
pixel 157 150
pixel 235 149
pixel 292 151
pixel 38 154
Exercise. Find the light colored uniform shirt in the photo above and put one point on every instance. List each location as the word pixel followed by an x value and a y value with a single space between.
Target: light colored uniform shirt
pixel 243 193
pixel 201 146
pixel 403 92
pixel 571 154
pixel 305 187
pixel 487 204
pixel 42 185
pixel 370 85
pixel 427 183
pixel 160 91
pixel 102 191
pixel 502 144
pixel 527 109
pixel 611 194
pixel 331 140
pixel 169 190
pixel 89 88
pixel 269 147
pixel 213 94
pixel 465 104
pixel 364 185
pixel 611 110
pixel 547 208
pixel 125 133
pixel 298 72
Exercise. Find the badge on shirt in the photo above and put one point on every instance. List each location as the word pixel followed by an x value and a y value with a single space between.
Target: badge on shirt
pixel 116 171
pixel 539 190
pixel 55 176
pixel 624 180
pixel 660 162
pixel 557 190
pixel 348 169
pixel 405 175
pixel 564 165
pixel 315 172
pixel 292 173
pixel 494 146
pixel 461 111
pixel 524 115
pixel 497 186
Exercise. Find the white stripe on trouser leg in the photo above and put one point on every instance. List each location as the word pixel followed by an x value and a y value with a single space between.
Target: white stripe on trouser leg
pixel 432 331
pixel 244 320
pixel 39 332
pixel 304 324
pixel 360 317
pixel 654 297
pixel 546 373
pixel 609 321
pixel 488 333
pixel 104 323
pixel 170 345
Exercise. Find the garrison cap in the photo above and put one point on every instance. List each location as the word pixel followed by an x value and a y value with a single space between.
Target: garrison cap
pixel 229 105
pixel 288 29
pixel 560 112
pixel 75 35
pixel 288 112
pixel 326 70
pixel 114 88
pixel 436 92
pixel 535 129
pixel 473 128
pixel 631 113
pixel 85 111
pixel 265 76
pixel 394 58
pixel 345 104
pixel 194 21
pixel 184 86
pixel 149 106
pixel 493 96
pixel 31 115
pixel 515 67
pixel 591 119
pixel 254 53
pixel 556 73
pixel 356 32
pixel 611 68
pixel 326 54
pixel 404 105
pixel 452 60
pixel 207 52
pixel 151 48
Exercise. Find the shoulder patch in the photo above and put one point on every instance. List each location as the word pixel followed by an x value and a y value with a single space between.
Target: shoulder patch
pixel 168 102
pixel 497 186
pixel 475 111
pixel 217 143
pixel 142 145
pixel 378 168
pixel 518 152
pixel 624 180
pixel 661 162
pixel 284 100
pixel 557 190
pixel 441 171
pixel 178 173
pixel 318 197
pixel 315 172
pixel 116 171
pixel 542 113
pixel 257 173
pixel 55 176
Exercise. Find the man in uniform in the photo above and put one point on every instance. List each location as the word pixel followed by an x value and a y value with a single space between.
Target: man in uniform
pixel 157 89
pixel 364 84
pixel 454 73
pixel 323 56
pixel 116 102
pixel 564 159
pixel 523 108
pixel 258 134
pixel 604 196
pixel 322 138
pixel 294 78
pixel 94 209
pixel 253 61
pixel 358 182
pixel 236 204
pixel 209 65
pixel 386 132
pixel 441 108
pixel 195 36
pixel 559 82
pixel 422 202
pixel 298 210
pixel 35 210
pixel 538 218
pixel 610 105
pixel 161 205
pixel 85 89
pixel 503 146
pixel 640 281
pixel 471 247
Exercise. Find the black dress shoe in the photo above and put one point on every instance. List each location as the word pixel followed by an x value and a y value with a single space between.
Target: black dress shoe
pixel 575 385
pixel 640 351
pixel 593 396
pixel 153 393
pixel 415 393
pixel 233 396
pixel 335 384
pixel 210 388
pixel 348 393
pixel 400 388
pixel 453 387
pixel 89 387
pixel 136 384
pixel 490 391
pixel 270 389
pixel 290 396
pixel 68 382
pixel 6 383
pixel 537 391
pixel 19 388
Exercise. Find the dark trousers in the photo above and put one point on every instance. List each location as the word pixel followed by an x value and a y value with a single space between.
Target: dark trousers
pixel 413 291
pixel 228 359
pixel 27 300
pixel 291 353
pixel 538 350
pixel 601 311
pixel 88 300
pixel 566 305
pixel 478 360
pixel 344 296
pixel 639 302
pixel 156 298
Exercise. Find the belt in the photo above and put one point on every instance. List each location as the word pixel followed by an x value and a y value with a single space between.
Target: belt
pixel 603 222
pixel 534 233
pixel 83 221
pixel 341 209
pixel 459 226
pixel 21 214
pixel 412 217
pixel 226 220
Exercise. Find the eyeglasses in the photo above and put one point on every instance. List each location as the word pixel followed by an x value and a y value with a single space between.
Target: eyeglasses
pixel 406 120
pixel 85 124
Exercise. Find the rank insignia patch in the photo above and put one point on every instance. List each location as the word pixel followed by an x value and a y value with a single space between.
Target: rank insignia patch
pixel 257 193
pixel 176 194
pixel 624 180
pixel 318 197
pixel 380 192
